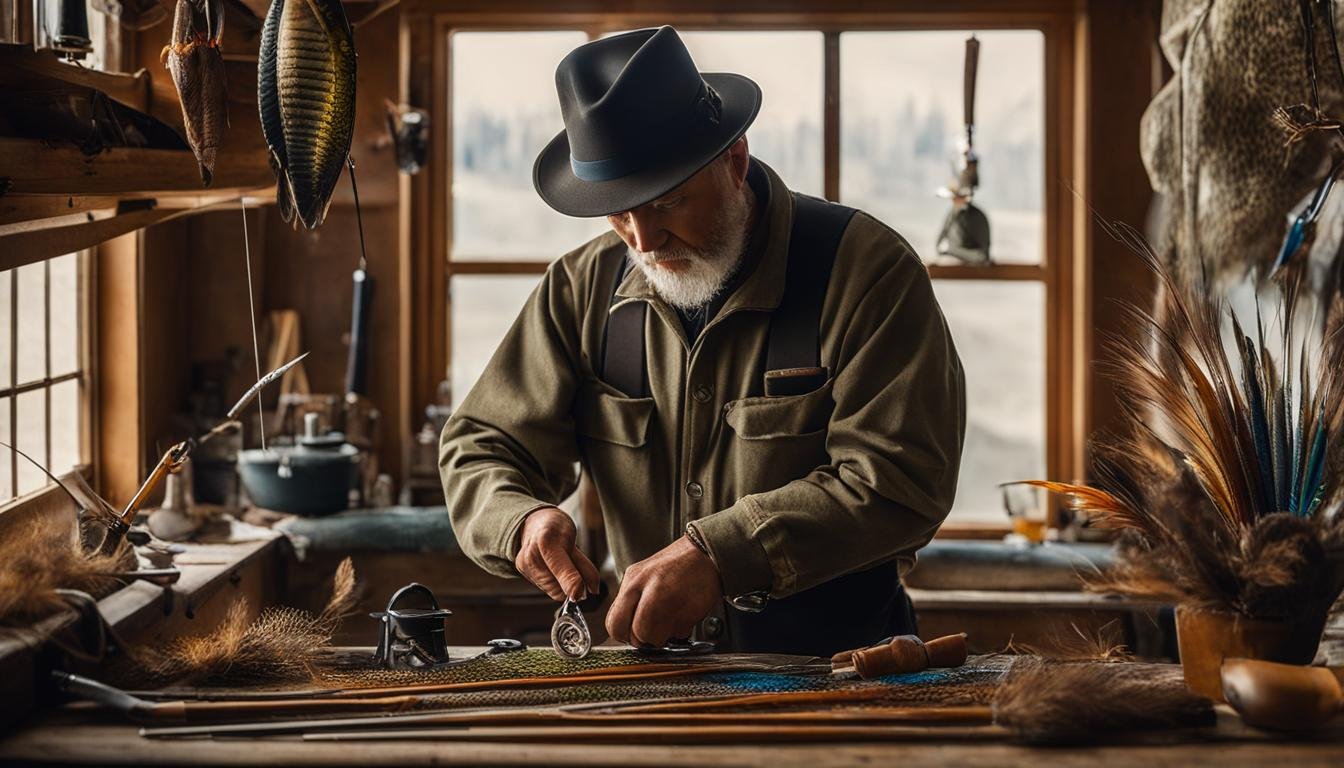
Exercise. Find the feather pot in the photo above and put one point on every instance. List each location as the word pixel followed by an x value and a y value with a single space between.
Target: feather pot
pixel 1225 480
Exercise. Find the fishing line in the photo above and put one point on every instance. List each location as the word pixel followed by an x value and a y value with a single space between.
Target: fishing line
pixel 252 315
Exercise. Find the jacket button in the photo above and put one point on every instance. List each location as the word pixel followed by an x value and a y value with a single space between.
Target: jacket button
pixel 695 490
pixel 713 627
pixel 702 394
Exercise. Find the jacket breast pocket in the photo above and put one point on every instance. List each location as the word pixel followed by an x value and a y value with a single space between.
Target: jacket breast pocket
pixel 776 440
pixel 791 416
pixel 602 413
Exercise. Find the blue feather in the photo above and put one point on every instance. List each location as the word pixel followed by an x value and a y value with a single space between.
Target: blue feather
pixel 1297 233
pixel 1312 473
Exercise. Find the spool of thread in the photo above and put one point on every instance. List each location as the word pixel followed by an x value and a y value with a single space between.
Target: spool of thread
pixel 907 653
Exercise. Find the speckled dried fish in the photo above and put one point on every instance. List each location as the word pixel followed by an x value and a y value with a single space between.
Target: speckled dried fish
pixel 306 96
pixel 197 67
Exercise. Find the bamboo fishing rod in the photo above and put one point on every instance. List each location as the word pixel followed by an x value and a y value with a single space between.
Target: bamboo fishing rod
pixel 560 721
pixel 696 734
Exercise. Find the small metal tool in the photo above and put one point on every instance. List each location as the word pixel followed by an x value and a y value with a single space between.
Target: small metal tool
pixel 569 635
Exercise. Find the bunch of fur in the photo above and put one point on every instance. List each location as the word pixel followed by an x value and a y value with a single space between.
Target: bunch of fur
pixel 35 562
pixel 280 644
pixel 1227 482
pixel 1051 701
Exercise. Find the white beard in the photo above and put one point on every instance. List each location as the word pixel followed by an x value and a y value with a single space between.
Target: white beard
pixel 706 271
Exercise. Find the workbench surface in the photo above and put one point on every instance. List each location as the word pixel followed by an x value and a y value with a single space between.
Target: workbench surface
pixel 56 738
pixel 82 735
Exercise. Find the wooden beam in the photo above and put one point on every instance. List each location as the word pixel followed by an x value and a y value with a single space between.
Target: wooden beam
pixel 33 167
pixel 120 408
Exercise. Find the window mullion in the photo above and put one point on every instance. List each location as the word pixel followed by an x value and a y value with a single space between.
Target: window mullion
pixel 14 379
pixel 830 131
pixel 46 362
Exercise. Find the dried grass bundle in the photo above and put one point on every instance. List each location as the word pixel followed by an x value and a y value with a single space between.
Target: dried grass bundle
pixel 36 561
pixel 280 644
pixel 1047 701
pixel 1226 481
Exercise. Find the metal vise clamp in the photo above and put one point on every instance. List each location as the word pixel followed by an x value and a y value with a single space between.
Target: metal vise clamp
pixel 412 637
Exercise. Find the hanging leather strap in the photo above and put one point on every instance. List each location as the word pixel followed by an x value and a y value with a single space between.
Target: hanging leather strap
pixel 795 326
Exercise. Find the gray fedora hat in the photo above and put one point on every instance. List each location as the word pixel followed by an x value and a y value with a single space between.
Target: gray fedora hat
pixel 640 119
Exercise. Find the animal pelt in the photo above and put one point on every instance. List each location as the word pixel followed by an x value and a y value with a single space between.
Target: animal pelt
pixel 280 644
pixel 37 561
pixel 1047 701
pixel 1223 166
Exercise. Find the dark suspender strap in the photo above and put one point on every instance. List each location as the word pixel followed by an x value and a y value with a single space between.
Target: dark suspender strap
pixel 623 364
pixel 795 326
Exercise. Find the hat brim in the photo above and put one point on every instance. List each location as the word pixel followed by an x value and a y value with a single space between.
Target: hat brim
pixel 555 181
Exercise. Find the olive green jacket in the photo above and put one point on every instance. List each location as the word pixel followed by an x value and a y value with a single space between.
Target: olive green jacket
pixel 787 492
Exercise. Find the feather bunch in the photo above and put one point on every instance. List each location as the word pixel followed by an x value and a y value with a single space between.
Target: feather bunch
pixel 1226 482
pixel 35 562
pixel 281 644
pixel 1049 701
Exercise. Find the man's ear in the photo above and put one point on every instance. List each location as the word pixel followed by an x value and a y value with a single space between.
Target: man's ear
pixel 739 157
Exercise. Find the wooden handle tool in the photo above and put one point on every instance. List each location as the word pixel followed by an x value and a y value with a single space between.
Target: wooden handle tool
pixel 902 655
pixel 1283 696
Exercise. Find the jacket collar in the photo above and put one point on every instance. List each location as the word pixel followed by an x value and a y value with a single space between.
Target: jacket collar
pixel 767 249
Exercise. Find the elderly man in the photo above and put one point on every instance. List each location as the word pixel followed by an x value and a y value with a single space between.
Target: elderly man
pixel 760 384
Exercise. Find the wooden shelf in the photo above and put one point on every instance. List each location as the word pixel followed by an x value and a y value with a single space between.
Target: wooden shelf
pixel 21 66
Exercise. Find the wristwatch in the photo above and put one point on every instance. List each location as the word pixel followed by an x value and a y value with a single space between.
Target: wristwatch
pixel 750 602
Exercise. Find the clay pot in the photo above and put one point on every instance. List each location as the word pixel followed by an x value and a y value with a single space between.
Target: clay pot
pixel 1206 637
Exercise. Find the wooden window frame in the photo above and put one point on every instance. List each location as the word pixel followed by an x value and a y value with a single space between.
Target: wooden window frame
pixel 426 31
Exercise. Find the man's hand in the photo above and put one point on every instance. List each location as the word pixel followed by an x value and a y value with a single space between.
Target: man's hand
pixel 549 558
pixel 663 597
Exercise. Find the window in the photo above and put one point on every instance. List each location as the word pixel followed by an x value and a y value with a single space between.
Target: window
pixel 867 113
pixel 902 130
pixel 42 370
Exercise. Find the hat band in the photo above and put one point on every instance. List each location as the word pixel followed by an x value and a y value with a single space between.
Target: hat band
pixel 603 170
pixel 708 109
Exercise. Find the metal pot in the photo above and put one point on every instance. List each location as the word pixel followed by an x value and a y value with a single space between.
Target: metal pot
pixel 311 478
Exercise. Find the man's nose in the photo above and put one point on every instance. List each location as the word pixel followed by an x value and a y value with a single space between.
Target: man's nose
pixel 646 231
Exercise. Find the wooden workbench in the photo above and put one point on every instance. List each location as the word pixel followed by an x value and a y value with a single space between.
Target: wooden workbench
pixel 60 739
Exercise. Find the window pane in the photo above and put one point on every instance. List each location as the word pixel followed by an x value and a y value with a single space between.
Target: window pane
pixel 65 433
pixel 788 67
pixel 505 111
pixel 32 423
pixel 65 314
pixel 999 330
pixel 484 307
pixel 32 324
pixel 6 335
pixel 902 131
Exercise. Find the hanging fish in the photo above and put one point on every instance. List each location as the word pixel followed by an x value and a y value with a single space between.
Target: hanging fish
pixel 306 96
pixel 197 66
